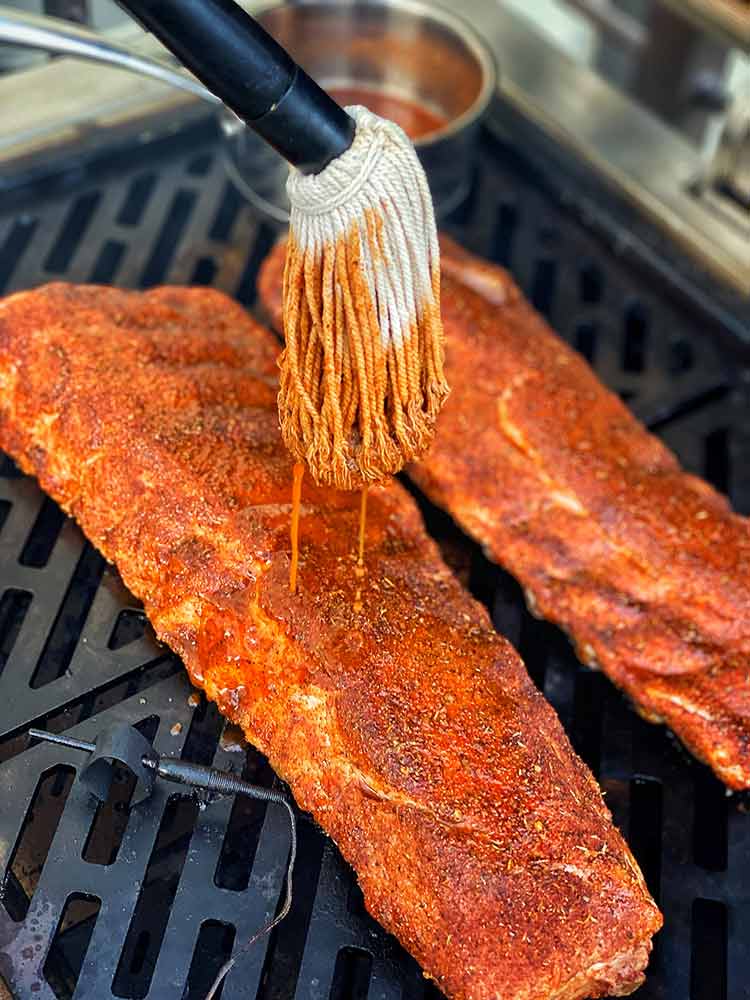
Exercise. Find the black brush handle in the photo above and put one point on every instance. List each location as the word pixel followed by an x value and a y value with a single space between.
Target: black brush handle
pixel 252 74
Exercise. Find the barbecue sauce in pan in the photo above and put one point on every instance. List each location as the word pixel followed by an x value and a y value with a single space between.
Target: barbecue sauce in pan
pixel 416 121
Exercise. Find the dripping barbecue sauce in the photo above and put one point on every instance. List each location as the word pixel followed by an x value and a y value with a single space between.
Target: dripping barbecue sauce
pixel 416 121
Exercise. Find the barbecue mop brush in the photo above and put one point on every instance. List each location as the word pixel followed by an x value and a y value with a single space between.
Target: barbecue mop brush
pixel 362 372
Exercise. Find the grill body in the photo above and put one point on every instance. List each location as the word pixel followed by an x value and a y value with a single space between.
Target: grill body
pixel 109 900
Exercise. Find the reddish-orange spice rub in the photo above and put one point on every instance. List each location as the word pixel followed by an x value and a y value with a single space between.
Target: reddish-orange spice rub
pixel 410 730
pixel 646 567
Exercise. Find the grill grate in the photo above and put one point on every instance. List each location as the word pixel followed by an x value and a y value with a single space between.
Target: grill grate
pixel 150 902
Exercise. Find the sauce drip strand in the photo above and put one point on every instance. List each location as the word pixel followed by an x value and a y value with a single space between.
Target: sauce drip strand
pixel 297 475
pixel 359 570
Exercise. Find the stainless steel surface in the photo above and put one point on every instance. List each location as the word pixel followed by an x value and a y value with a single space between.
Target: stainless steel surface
pixel 49 109
pixel 65 38
pixel 637 154
pixel 728 20
pixel 616 24
pixel 405 49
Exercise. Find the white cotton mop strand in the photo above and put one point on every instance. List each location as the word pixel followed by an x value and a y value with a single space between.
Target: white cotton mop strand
pixel 362 377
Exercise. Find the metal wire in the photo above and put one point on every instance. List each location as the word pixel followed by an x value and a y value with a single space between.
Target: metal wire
pixel 210 779
pixel 231 784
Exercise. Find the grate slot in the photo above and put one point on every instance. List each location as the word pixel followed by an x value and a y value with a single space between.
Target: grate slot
pixel 108 262
pixel 13 607
pixel 72 233
pixel 681 356
pixel 204 271
pixel 43 535
pixel 716 467
pixel 136 200
pixel 590 284
pixel 585 340
pixel 226 215
pixel 351 976
pixel 138 960
pixel 586 730
pixel 14 246
pixel 200 165
pixel 129 627
pixel 243 829
pixel 166 245
pixel 636 338
pixel 212 949
pixel 8 470
pixel 203 735
pixel 710 822
pixel 708 965
pixel 35 838
pixel 544 285
pixel 644 835
pixel 264 240
pixel 287 942
pixel 64 961
pixel 61 645
pixel 505 232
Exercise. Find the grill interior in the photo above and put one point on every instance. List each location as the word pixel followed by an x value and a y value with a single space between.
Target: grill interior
pixel 107 901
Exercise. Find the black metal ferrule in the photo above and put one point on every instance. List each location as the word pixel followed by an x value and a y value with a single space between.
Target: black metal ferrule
pixel 252 74
pixel 307 126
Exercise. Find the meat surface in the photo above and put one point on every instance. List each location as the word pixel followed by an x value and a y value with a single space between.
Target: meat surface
pixel 645 567
pixel 410 730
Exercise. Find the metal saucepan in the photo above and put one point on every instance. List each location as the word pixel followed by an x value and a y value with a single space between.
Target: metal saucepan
pixel 410 60
pixel 424 62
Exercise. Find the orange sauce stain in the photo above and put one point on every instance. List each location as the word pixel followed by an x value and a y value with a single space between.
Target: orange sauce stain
pixel 297 475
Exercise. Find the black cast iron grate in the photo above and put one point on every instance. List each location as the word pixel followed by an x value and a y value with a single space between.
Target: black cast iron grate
pixel 108 901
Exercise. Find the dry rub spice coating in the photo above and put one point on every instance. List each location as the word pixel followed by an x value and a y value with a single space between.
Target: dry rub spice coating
pixel 646 567
pixel 410 730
